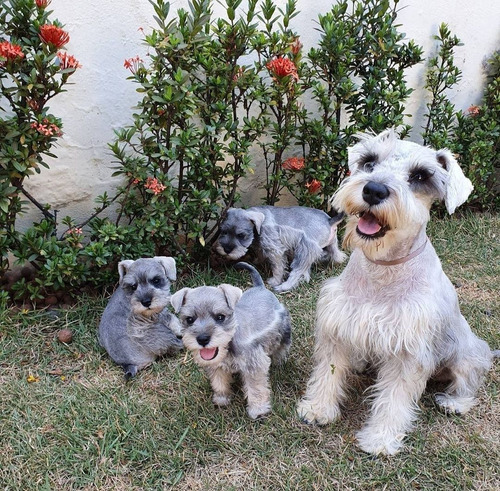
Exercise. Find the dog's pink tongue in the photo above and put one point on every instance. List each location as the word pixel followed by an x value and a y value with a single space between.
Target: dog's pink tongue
pixel 208 353
pixel 368 224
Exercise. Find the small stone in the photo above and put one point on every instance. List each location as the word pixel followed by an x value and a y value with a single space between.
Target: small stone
pixel 65 336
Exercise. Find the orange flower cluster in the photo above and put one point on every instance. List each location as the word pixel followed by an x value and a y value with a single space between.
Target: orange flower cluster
pixel 154 185
pixel 9 52
pixel 47 128
pixel 474 111
pixel 282 67
pixel 67 61
pixel 53 35
pixel 41 4
pixel 313 186
pixel 133 64
pixel 293 163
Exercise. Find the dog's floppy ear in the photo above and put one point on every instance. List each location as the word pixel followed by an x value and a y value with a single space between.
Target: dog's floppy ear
pixel 459 187
pixel 178 298
pixel 256 217
pixel 123 267
pixel 232 294
pixel 168 264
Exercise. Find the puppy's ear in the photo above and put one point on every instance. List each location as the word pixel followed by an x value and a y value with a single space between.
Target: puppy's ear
pixel 168 264
pixel 178 298
pixel 123 267
pixel 459 187
pixel 256 217
pixel 232 294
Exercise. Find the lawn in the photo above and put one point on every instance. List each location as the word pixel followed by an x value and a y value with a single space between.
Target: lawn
pixel 69 421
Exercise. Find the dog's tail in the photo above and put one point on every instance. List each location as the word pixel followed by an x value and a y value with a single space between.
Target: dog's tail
pixel 256 277
pixel 336 217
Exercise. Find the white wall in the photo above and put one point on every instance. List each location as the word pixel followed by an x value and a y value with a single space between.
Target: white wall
pixel 100 99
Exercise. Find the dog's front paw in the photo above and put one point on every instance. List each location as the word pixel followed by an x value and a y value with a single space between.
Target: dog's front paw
pixel 379 442
pixel 259 411
pixel 311 413
pixel 221 400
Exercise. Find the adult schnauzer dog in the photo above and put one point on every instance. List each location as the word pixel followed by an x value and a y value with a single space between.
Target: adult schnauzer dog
pixel 393 307
pixel 136 327
pixel 230 332
pixel 307 234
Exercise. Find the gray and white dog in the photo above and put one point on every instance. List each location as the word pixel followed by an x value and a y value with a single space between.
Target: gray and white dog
pixel 393 307
pixel 136 326
pixel 309 235
pixel 230 332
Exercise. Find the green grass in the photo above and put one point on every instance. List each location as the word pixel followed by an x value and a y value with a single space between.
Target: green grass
pixel 77 425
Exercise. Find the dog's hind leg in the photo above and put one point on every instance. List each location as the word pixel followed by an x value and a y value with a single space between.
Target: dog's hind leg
pixel 306 253
pixel 467 374
pixel 256 384
pixel 399 386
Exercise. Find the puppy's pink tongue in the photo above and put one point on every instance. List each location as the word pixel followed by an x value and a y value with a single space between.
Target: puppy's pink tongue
pixel 368 224
pixel 208 353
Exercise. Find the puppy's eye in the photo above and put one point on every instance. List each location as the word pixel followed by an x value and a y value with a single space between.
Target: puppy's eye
pixel 189 320
pixel 156 281
pixel 367 162
pixel 419 176
pixel 241 236
pixel 130 287
pixel 220 317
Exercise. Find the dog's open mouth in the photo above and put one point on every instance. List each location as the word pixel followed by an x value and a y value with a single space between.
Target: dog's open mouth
pixel 209 353
pixel 369 226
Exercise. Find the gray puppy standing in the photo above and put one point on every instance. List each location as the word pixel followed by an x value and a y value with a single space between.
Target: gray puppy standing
pixel 136 326
pixel 307 234
pixel 228 332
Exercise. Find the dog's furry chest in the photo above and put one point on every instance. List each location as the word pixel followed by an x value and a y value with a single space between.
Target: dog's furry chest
pixel 379 317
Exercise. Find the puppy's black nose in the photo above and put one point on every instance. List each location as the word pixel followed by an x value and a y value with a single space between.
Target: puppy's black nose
pixel 146 302
pixel 227 248
pixel 203 339
pixel 374 193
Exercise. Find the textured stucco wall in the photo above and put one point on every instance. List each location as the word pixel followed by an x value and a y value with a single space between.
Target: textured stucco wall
pixel 100 99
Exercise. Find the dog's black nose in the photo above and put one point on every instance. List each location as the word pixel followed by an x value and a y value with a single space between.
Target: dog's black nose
pixel 146 302
pixel 227 248
pixel 374 193
pixel 203 339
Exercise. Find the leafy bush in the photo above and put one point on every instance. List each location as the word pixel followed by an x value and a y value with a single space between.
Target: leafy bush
pixel 473 135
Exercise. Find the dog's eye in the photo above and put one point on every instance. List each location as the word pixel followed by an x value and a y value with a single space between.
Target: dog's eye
pixel 156 281
pixel 368 166
pixel 419 175
pixel 130 287
pixel 220 317
pixel 241 236
pixel 189 320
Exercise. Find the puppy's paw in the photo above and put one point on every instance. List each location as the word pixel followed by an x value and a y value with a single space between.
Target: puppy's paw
pixel 221 400
pixel 339 257
pixel 259 411
pixel 379 441
pixel 453 404
pixel 312 413
pixel 273 282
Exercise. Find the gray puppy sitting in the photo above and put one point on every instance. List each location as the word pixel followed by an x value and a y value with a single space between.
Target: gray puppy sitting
pixel 136 327
pixel 230 332
pixel 307 234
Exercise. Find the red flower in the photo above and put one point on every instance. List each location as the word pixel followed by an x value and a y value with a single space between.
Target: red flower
pixel 293 163
pixel 474 111
pixel 67 61
pixel 156 186
pixel 133 64
pixel 53 35
pixel 282 67
pixel 47 128
pixel 9 52
pixel 313 186
pixel 41 4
